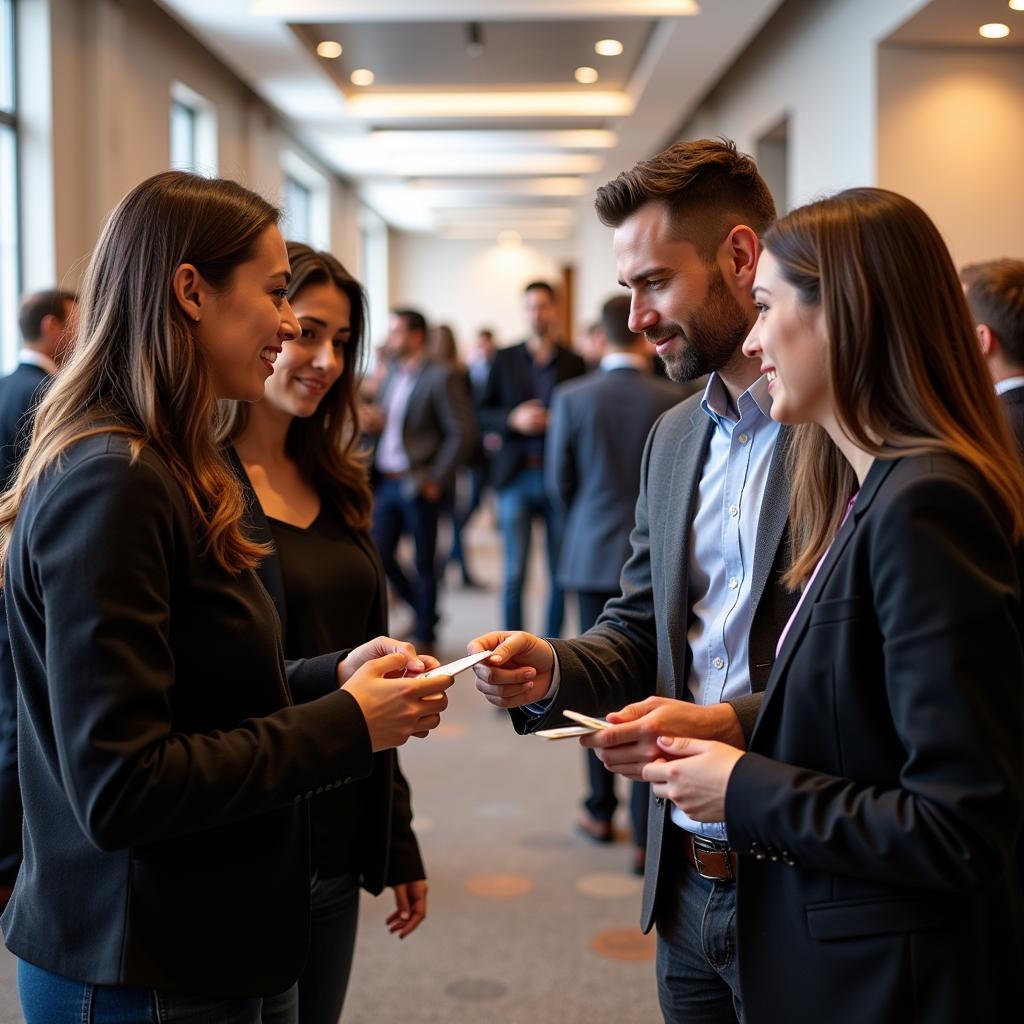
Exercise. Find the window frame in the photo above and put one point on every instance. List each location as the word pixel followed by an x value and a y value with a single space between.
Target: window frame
pixel 10 289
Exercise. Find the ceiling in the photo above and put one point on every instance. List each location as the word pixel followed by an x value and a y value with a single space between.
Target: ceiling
pixel 956 23
pixel 474 123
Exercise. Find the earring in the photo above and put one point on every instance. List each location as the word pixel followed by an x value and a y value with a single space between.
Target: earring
pixel 196 318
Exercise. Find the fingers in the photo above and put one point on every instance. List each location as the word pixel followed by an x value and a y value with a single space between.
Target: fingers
pixel 486 642
pixel 410 908
pixel 429 687
pixel 617 736
pixel 394 662
pixel 631 712
pixel 389 645
pixel 682 746
pixel 505 646
pixel 511 694
pixel 657 772
pixel 428 722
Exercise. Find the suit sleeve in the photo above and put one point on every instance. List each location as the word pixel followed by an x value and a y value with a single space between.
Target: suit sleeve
pixel 454 412
pixel 559 456
pixel 492 410
pixel 405 862
pixel 947 600
pixel 131 777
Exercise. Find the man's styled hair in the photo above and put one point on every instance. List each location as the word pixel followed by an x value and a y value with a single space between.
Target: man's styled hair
pixel 414 320
pixel 706 185
pixel 995 294
pixel 541 286
pixel 615 322
pixel 37 306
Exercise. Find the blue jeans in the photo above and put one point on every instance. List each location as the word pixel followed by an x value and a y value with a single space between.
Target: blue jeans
pixel 519 502
pixel 396 512
pixel 48 998
pixel 697 962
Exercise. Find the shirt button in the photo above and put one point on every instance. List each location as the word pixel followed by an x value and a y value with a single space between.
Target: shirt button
pixel 719 663
pixel 734 511
pixel 733 583
pixel 743 438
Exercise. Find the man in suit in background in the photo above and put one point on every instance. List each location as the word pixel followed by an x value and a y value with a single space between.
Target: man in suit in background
pixel 599 424
pixel 688 644
pixel 995 293
pixel 47 321
pixel 425 434
pixel 515 406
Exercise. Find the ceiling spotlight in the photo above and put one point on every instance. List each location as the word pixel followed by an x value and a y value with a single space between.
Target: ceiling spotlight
pixel 510 239
pixel 586 76
pixel 328 49
pixel 362 76
pixel 994 30
pixel 612 47
pixel 474 39
pixel 1017 5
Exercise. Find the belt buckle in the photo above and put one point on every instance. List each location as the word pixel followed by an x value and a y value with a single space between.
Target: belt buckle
pixel 703 844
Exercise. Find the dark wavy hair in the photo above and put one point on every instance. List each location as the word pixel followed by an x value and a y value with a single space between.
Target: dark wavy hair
pixel 325 445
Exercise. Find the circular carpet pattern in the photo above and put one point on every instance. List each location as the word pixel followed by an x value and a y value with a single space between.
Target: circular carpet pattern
pixel 629 944
pixel 609 886
pixel 499 887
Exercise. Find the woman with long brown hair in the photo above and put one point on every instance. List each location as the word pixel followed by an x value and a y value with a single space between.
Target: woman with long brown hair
pixel 877 812
pixel 310 498
pixel 164 766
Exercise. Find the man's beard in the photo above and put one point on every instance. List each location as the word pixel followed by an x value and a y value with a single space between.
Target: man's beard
pixel 712 336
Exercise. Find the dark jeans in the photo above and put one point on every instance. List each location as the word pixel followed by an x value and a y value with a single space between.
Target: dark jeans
pixel 396 513
pixel 519 503
pixel 10 792
pixel 601 800
pixel 48 998
pixel 697 961
pixel 334 915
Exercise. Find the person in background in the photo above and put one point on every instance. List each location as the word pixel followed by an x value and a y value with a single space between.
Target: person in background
pixel 310 498
pixel 878 805
pixel 164 766
pixel 995 295
pixel 515 406
pixel 599 425
pixel 479 365
pixel 47 321
pixel 427 433
pixel 592 344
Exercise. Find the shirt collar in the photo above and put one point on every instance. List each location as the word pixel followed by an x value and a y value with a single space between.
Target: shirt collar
pixel 617 360
pixel 754 401
pixel 1009 384
pixel 40 359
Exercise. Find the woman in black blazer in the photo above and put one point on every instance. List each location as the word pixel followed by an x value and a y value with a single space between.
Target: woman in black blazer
pixel 310 499
pixel 877 812
pixel 164 765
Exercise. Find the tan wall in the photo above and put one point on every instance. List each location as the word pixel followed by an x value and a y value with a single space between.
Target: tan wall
pixel 951 136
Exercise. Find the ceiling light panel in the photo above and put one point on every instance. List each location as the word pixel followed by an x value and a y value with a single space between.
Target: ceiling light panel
pixel 611 47
pixel 492 141
pixel 399 106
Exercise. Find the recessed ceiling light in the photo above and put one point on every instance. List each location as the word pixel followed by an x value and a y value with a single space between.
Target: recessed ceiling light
pixel 362 76
pixel 329 49
pixel 510 239
pixel 612 47
pixel 1017 5
pixel 994 30
pixel 586 76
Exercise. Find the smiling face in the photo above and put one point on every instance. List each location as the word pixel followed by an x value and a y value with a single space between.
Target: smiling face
pixel 790 340
pixel 679 301
pixel 310 364
pixel 242 328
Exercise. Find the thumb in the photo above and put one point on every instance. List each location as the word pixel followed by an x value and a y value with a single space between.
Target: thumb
pixel 682 746
pixel 630 713
pixel 402 902
pixel 397 661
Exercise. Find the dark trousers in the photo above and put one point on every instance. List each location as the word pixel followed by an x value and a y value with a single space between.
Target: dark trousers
pixel 10 792
pixel 397 512
pixel 601 800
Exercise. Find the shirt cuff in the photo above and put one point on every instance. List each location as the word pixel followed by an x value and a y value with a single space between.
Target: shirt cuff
pixel 542 707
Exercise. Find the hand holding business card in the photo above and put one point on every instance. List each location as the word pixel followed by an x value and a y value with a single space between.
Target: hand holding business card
pixel 585 726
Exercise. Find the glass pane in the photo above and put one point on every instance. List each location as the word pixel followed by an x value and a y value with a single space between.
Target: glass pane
pixel 298 211
pixel 8 247
pixel 6 55
pixel 183 137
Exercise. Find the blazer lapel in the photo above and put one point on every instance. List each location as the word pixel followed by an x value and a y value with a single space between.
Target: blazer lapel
pixel 691 452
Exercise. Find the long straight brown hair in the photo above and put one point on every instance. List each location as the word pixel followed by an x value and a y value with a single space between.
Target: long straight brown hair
pixel 905 371
pixel 324 446
pixel 138 369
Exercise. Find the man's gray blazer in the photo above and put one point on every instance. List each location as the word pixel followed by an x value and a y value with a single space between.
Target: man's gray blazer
pixel 638 646
pixel 599 425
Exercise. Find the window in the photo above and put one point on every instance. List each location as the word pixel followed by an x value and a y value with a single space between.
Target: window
pixel 10 254
pixel 304 202
pixel 193 121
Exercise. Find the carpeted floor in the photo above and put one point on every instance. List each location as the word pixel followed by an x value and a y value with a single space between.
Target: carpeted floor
pixel 528 922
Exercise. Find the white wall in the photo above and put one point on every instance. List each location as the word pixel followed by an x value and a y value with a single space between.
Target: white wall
pixel 470 285
pixel 951 136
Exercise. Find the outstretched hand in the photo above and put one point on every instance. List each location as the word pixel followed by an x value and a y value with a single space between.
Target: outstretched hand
pixel 518 672
pixel 694 775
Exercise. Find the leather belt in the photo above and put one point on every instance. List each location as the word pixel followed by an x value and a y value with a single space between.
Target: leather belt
pixel 711 858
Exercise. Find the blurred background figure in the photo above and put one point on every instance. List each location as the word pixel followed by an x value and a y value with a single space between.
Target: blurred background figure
pixel 592 344
pixel 48 323
pixel 515 405
pixel 995 294
pixel 599 424
pixel 427 432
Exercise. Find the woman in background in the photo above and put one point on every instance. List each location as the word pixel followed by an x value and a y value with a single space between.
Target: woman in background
pixel 878 809
pixel 310 498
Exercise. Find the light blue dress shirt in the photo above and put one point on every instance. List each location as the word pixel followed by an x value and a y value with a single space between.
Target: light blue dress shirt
pixel 726 513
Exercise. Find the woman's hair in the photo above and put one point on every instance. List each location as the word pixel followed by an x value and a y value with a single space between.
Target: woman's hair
pixel 441 345
pixel 138 368
pixel 325 445
pixel 905 371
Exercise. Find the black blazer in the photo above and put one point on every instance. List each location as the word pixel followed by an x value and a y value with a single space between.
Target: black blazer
pixel 509 385
pixel 164 769
pixel 596 436
pixel 387 848
pixel 882 798
pixel 1012 402
pixel 638 646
